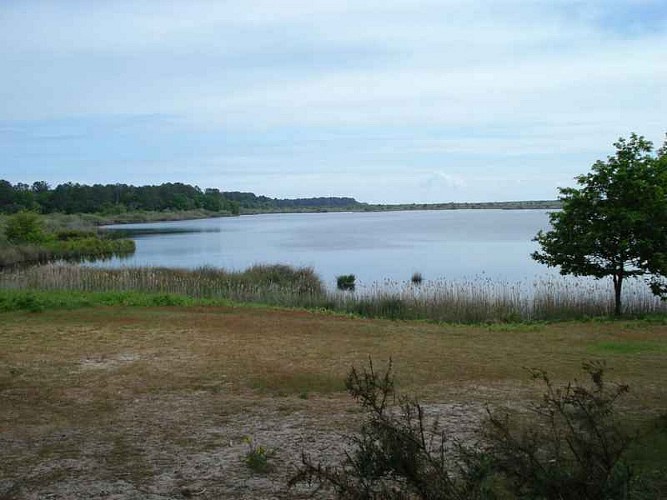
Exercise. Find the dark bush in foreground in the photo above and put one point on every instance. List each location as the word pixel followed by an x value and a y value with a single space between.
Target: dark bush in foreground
pixel 573 448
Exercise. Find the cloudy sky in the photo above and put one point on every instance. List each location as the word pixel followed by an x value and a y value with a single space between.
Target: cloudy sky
pixel 383 100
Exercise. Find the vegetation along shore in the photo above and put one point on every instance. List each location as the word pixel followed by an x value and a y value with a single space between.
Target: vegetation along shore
pixel 120 203
pixel 29 238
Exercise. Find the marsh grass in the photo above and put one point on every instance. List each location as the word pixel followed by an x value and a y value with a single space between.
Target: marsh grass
pixel 276 285
pixel 484 300
pixel 474 300
pixel 73 250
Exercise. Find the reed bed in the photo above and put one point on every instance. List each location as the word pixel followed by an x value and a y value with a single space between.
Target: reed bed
pixel 466 301
pixel 82 249
pixel 276 284
pixel 481 299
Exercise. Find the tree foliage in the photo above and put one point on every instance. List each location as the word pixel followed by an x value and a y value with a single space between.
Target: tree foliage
pixel 614 224
pixel 117 198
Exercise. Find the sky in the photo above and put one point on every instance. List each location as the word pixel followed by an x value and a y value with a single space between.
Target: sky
pixel 402 101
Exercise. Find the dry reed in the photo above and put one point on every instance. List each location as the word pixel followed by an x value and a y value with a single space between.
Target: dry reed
pixel 470 301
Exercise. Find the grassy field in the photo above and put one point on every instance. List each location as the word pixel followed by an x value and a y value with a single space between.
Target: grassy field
pixel 140 401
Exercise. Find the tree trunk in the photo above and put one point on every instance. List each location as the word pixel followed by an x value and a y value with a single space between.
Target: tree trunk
pixel 618 284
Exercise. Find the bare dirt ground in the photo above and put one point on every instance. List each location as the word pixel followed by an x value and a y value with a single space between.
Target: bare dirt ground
pixel 131 403
pixel 189 446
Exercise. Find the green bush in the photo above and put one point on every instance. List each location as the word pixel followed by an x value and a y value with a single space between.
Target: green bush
pixel 575 450
pixel 572 447
pixel 302 280
pixel 25 227
pixel 346 282
pixel 27 242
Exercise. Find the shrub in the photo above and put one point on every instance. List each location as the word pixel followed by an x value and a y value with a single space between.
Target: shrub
pixel 395 455
pixel 301 280
pixel 574 447
pixel 346 282
pixel 417 278
pixel 575 451
pixel 25 227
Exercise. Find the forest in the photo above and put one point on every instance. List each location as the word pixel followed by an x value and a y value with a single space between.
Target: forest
pixel 71 198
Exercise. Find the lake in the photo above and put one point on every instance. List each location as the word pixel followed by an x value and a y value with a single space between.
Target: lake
pixel 375 246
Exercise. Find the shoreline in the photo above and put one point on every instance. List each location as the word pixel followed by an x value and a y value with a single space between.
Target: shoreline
pixel 135 217
pixel 88 219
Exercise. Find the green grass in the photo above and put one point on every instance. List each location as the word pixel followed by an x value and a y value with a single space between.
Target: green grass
pixel 43 300
pixel 649 454
pixel 626 347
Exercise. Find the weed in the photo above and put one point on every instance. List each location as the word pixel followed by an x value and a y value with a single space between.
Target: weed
pixel 30 303
pixel 257 457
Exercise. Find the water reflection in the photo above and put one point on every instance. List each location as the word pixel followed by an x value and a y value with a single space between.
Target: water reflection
pixel 452 244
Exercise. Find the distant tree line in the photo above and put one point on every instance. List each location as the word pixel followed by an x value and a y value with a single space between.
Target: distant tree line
pixel 117 198
pixel 251 201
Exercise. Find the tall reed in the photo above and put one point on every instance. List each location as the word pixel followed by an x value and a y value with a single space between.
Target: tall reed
pixel 470 301
pixel 277 284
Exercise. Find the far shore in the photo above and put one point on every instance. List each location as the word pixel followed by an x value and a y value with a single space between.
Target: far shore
pixel 167 216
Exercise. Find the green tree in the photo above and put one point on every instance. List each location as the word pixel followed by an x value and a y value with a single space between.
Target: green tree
pixel 615 223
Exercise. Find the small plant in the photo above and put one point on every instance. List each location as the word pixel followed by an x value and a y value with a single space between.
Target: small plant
pixel 346 282
pixel 257 457
pixel 417 278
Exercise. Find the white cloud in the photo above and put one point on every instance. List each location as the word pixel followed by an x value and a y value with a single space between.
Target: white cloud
pixel 504 84
pixel 438 179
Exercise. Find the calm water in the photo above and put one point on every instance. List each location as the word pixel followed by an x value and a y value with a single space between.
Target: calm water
pixel 374 246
